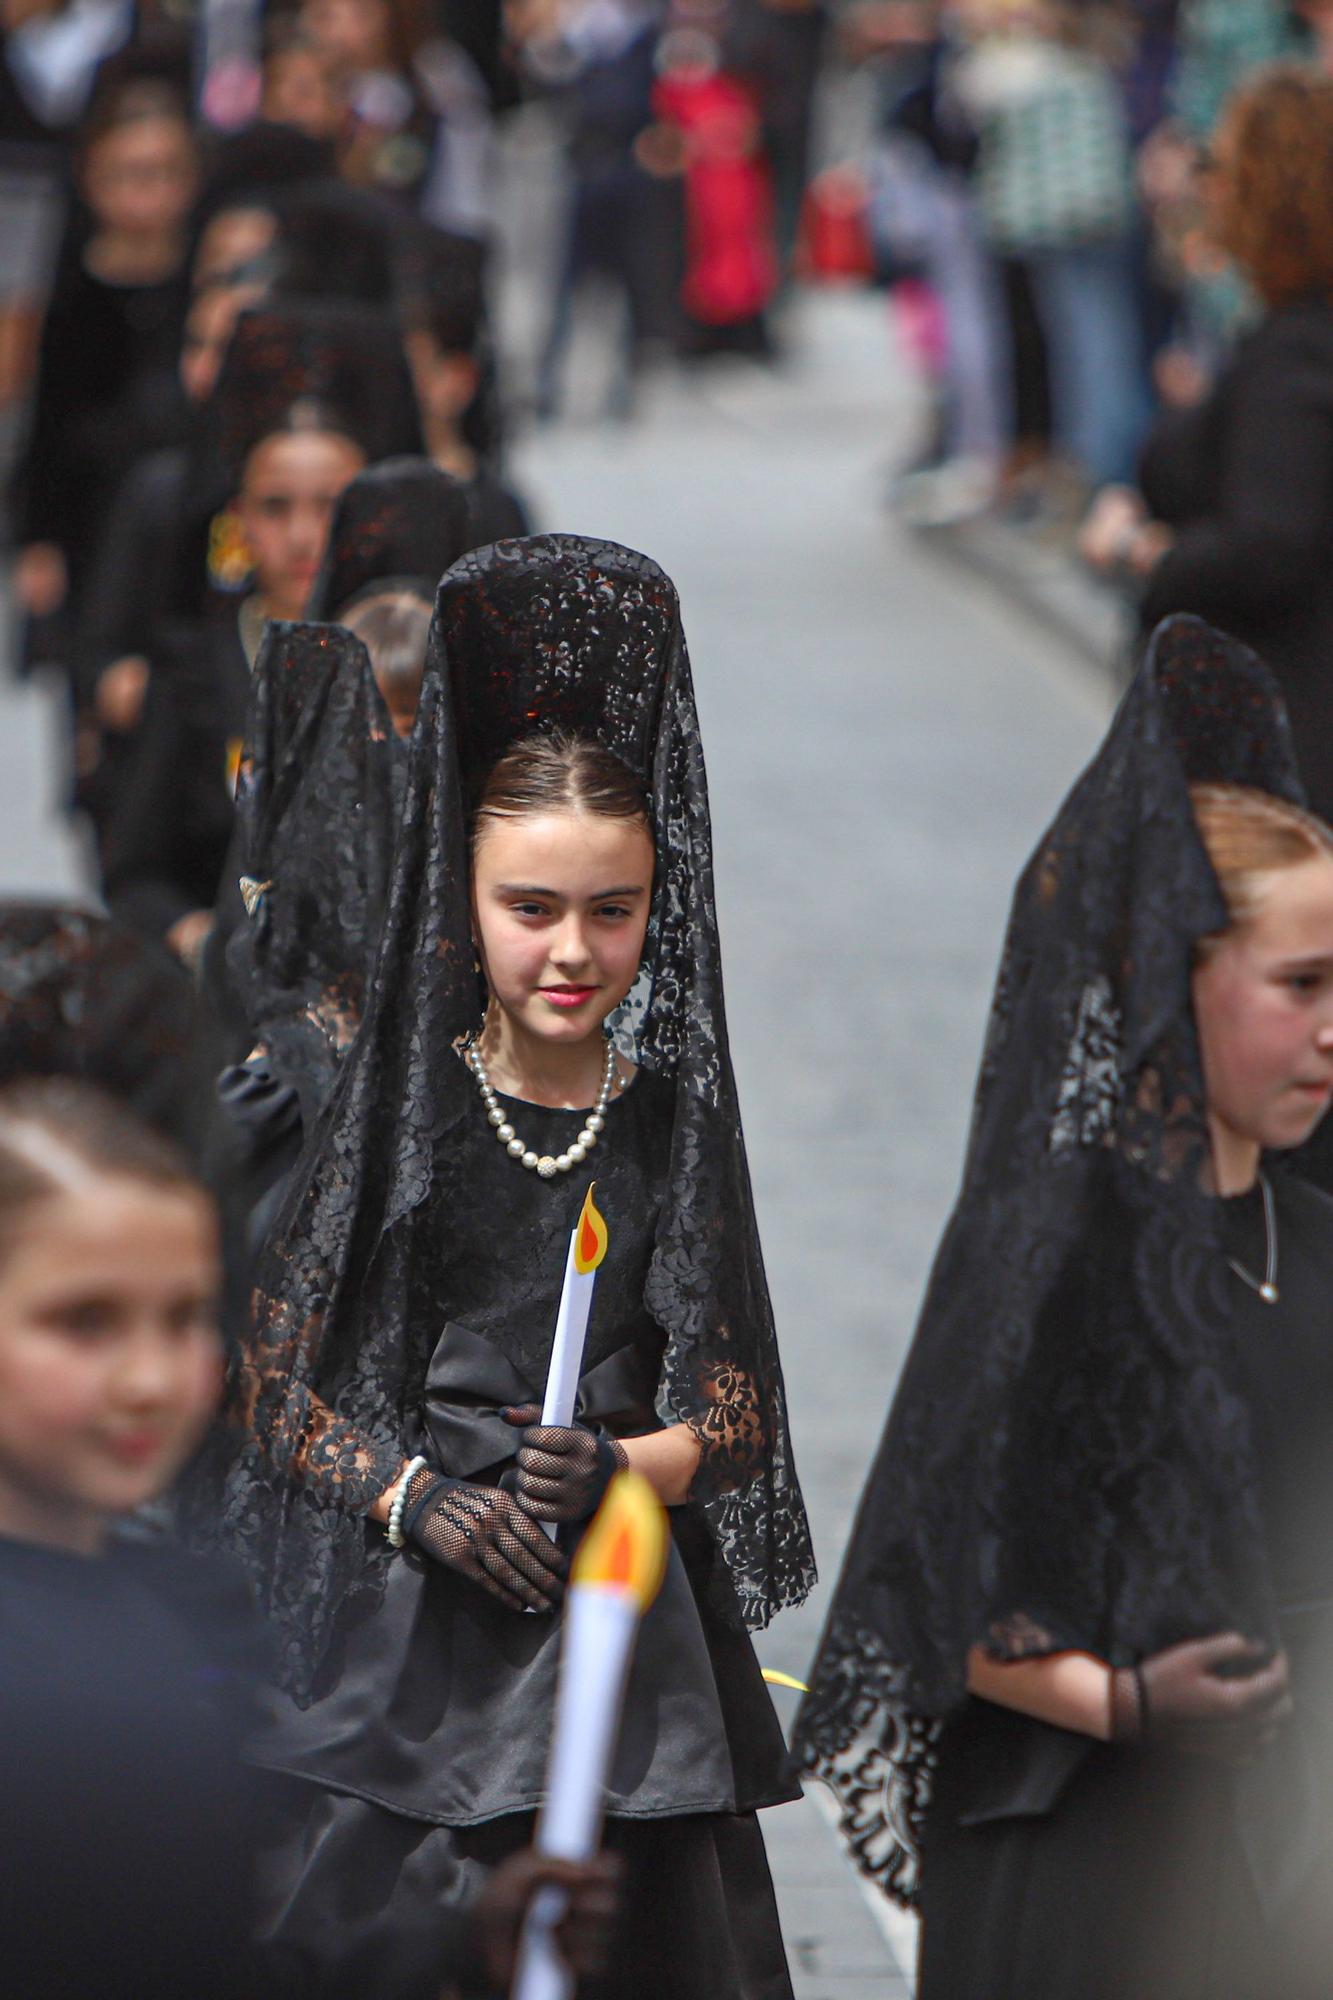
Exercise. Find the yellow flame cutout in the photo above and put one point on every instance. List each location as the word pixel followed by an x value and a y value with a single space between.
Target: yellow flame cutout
pixel 626 1546
pixel 777 1680
pixel 591 1236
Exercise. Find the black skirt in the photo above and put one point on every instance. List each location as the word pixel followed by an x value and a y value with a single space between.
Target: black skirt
pixel 1057 1868
pixel 371 1904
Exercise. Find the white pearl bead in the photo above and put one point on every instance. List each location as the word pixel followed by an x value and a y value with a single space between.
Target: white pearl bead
pixel 516 1149
pixel 564 1162
pixel 578 1152
pixel 587 1139
pixel 596 1122
pixel 495 1115
pixel 505 1132
pixel 529 1161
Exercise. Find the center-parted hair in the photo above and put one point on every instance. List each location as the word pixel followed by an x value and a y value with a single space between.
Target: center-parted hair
pixel 551 772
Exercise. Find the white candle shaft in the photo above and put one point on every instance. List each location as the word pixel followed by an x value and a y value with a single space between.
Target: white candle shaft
pixel 571 1331
pixel 598 1645
pixel 566 1366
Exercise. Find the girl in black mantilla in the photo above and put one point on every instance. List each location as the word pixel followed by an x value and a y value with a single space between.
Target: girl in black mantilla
pixel 307 394
pixel 407 1302
pixel 325 756
pixel 1074 1692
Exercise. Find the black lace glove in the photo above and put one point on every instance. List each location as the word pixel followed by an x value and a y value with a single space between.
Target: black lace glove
pixel 563 1470
pixel 1218 1697
pixel 485 1535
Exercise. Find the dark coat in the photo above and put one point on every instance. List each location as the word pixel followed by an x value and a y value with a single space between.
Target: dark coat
pixel 1246 480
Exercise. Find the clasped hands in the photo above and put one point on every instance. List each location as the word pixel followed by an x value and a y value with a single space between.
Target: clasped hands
pixel 1222 1697
pixel 495 1538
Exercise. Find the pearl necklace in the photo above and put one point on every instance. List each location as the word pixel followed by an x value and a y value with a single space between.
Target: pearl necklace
pixel 545 1164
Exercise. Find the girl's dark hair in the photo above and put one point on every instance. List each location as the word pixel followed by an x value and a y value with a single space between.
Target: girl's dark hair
pixel 52 1123
pixel 559 772
pixel 305 417
pixel 137 101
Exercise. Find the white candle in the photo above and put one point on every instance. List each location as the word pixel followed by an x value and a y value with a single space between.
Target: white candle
pixel 587 1248
pixel 617 1573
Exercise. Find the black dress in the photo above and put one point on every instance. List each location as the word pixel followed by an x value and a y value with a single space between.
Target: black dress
pixel 1246 481
pixel 129 1819
pixel 424 1755
pixel 107 391
pixel 1054 1866
pixel 168 829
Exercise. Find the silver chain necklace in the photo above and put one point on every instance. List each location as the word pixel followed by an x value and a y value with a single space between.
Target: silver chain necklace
pixel 545 1164
pixel 1267 1287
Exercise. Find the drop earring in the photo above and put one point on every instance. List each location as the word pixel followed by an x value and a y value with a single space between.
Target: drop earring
pixel 230 563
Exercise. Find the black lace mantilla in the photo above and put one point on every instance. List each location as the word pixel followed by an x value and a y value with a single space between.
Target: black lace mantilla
pixel 530 634
pixel 315 811
pixel 1068 1462
pixel 82 996
pixel 400 521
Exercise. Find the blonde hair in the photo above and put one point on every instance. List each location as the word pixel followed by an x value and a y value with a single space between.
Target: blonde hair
pixel 1248 833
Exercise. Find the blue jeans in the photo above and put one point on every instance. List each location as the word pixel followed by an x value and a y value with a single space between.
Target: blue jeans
pixel 1094 349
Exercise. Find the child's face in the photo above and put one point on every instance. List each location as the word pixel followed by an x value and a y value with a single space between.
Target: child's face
pixel 353 34
pixel 560 905
pixel 110 1360
pixel 298 91
pixel 140 179
pixel 292 485
pixel 1263 1003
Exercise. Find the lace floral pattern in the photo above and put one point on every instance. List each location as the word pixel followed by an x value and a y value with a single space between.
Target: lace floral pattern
pixel 552 631
pixel 1068 1461
pixel 403 520
pixel 80 995
pixel 316 803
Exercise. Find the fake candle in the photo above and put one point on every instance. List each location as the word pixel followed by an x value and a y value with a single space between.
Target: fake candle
pixel 587 1247
pixel 617 1573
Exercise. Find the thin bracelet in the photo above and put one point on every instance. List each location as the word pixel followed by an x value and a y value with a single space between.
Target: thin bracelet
pixel 395 1526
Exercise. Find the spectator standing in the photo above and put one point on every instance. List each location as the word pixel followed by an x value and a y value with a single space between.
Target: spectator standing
pixel 107 387
pixel 1056 192
pixel 1235 509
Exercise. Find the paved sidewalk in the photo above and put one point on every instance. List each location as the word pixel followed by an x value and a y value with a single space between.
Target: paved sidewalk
pixel 1052 587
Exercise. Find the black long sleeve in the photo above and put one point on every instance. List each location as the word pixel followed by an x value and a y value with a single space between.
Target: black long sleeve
pixel 1258 466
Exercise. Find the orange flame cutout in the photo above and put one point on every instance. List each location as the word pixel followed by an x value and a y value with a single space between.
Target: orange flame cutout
pixel 626 1546
pixel 590 1237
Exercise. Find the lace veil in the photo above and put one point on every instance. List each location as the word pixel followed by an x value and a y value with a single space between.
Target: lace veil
pixel 1067 1463
pixel 315 810
pixel 551 631
pixel 82 996
pixel 401 521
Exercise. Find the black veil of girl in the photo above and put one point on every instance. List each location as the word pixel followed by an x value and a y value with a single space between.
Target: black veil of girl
pixel 399 522
pixel 320 785
pixel 316 805
pixel 550 632
pixel 1068 1461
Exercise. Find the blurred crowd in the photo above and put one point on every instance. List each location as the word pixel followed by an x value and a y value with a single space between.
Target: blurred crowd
pixel 1108 231
pixel 1045 193
pixel 250 250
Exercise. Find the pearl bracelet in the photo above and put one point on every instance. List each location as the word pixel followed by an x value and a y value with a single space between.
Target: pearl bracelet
pixel 395 1526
